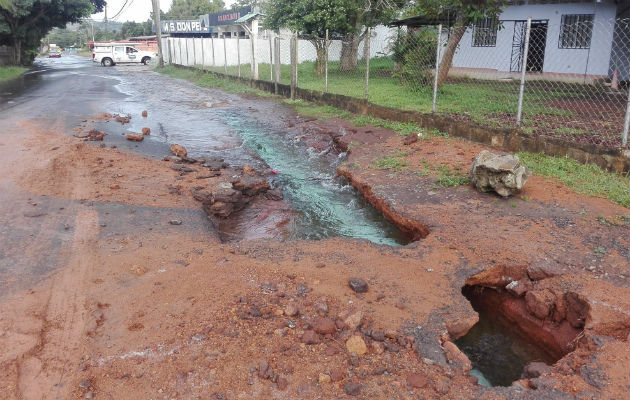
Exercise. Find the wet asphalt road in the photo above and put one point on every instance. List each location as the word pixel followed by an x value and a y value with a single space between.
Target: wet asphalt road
pixel 59 94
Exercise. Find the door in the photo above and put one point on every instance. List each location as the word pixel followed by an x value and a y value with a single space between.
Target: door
pixel 119 54
pixel 132 54
pixel 537 44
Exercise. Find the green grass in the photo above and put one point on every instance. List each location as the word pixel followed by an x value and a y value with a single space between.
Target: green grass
pixel 450 178
pixel 11 72
pixel 584 179
pixel 476 97
pixel 390 162
pixel 203 79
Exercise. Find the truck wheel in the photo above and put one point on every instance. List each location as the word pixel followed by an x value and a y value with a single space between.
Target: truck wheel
pixel 146 60
pixel 107 62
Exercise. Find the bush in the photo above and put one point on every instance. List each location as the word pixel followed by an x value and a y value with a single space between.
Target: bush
pixel 414 55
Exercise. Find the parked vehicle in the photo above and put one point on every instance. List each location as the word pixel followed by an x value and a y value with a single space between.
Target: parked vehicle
pixel 110 54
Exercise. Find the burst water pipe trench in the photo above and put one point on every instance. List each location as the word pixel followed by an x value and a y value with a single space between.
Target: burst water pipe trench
pixel 498 348
pixel 327 205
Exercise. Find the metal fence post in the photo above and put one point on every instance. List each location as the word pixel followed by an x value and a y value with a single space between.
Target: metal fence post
pixel 437 67
pixel 366 49
pixel 214 64
pixel 521 92
pixel 277 60
pixel 626 123
pixel 225 54
pixel 270 59
pixel 293 65
pixel 326 65
pixel 238 54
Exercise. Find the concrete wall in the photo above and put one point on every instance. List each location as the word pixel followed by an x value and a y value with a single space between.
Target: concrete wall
pixel 188 51
pixel 593 61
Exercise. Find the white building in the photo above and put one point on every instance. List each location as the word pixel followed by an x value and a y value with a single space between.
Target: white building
pixel 578 40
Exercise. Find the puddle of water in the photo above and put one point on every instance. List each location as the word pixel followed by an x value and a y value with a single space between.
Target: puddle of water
pixel 497 353
pixel 327 205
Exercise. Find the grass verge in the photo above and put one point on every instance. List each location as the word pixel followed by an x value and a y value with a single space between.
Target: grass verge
pixel 584 179
pixel 203 79
pixel 11 72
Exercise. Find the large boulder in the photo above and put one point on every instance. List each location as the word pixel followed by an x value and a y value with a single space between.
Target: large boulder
pixel 501 173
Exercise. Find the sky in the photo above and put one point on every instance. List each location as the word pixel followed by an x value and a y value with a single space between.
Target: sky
pixel 136 10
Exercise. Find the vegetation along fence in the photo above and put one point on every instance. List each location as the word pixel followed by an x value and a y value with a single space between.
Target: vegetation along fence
pixel 571 84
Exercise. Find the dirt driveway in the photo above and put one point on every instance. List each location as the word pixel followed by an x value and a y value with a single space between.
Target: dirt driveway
pixel 114 284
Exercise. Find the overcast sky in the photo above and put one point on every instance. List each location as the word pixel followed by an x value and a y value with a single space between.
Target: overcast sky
pixel 136 10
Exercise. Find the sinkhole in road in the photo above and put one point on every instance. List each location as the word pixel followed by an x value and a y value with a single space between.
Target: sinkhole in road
pixel 326 205
pixel 498 351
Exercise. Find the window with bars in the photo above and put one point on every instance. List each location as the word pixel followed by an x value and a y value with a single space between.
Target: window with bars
pixel 576 31
pixel 485 32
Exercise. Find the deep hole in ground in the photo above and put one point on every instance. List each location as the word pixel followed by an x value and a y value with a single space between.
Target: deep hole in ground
pixel 508 336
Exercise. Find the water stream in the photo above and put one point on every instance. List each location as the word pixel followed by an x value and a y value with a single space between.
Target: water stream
pixel 211 123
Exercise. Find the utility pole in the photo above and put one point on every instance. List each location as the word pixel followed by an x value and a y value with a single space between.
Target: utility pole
pixel 158 30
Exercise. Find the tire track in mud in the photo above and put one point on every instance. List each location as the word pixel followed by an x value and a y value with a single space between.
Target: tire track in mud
pixel 41 371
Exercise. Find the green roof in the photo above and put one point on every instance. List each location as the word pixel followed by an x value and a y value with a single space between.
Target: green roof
pixel 246 18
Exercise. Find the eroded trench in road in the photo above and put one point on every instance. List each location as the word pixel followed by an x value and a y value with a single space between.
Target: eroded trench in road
pixel 320 204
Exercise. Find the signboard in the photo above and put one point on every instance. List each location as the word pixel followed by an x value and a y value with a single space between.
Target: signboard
pixel 184 26
pixel 228 17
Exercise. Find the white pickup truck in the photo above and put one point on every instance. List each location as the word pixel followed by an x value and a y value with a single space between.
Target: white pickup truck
pixel 113 53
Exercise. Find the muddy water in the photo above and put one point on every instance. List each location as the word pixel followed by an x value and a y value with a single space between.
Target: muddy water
pixel 213 123
pixel 498 356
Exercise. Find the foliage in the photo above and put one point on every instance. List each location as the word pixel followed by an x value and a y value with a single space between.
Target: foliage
pixel 191 9
pixel 414 53
pixel 450 178
pixel 133 29
pixel 23 23
pixel 584 179
pixel 11 72
pixel 342 18
pixel 390 162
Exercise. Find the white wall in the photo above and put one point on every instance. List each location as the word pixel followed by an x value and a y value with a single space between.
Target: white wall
pixel 188 51
pixel 593 61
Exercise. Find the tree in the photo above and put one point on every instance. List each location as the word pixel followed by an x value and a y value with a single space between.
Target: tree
pixel 364 14
pixel 131 29
pixel 186 9
pixel 346 18
pixel 23 23
pixel 467 12
pixel 311 19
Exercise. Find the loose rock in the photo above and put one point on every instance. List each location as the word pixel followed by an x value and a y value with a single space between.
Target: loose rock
pixel 356 345
pixel 358 285
pixel 310 337
pixel 144 113
pixel 146 131
pixel 417 380
pixel 178 150
pixel 134 137
pixel 501 173
pixel 324 326
pixel 352 388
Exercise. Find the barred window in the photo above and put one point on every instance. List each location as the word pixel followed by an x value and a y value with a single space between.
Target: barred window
pixel 485 32
pixel 576 31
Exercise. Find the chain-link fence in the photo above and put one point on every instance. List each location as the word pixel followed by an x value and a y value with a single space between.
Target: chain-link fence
pixel 568 80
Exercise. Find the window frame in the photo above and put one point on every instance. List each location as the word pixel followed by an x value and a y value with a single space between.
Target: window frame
pixel 488 31
pixel 576 28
